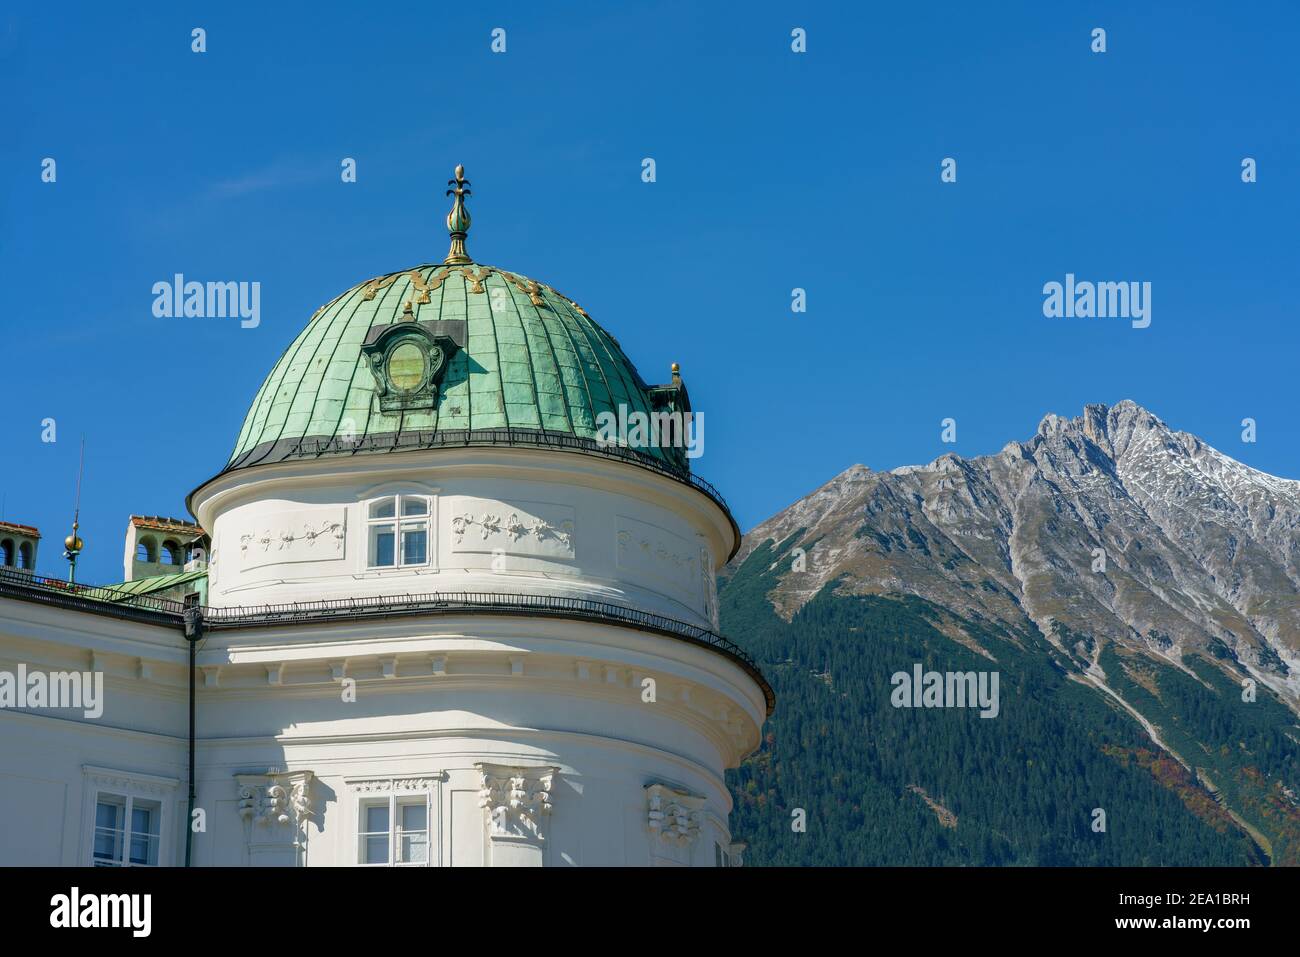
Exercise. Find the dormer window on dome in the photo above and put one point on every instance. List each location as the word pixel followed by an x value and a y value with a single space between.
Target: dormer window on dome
pixel 408 360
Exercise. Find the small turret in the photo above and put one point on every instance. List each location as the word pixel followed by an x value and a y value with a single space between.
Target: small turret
pixel 163 546
pixel 18 544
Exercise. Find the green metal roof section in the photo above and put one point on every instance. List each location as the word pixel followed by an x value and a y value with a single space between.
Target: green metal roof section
pixel 532 359
pixel 149 586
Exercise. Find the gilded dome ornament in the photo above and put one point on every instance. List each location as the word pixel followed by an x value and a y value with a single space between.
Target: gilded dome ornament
pixel 458 219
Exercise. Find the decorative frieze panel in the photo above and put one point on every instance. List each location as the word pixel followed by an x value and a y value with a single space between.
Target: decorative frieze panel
pixel 306 535
pixel 516 800
pixel 673 816
pixel 111 780
pixel 646 550
pixel 394 785
pixel 528 529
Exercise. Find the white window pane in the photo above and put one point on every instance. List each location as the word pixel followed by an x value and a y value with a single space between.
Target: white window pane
pixel 108 846
pixel 110 823
pixel 375 849
pixel 377 819
pixel 381 546
pixel 414 545
pixel 145 817
pixel 414 848
pixel 384 508
pixel 415 817
pixel 144 850
pixel 412 505
pixel 108 813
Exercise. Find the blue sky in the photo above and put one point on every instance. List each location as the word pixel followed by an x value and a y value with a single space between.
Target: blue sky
pixel 775 170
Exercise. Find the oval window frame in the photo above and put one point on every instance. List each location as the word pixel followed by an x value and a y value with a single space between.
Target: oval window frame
pixel 425 359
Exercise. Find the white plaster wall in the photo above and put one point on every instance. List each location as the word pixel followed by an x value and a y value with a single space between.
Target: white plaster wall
pixel 435 696
pixel 459 691
pixel 606 531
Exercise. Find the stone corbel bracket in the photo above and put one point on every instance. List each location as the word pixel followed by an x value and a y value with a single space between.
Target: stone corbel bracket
pixel 276 797
pixel 516 800
pixel 673 816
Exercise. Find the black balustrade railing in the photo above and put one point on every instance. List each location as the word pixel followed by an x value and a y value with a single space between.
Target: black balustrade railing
pixel 507 437
pixel 166 611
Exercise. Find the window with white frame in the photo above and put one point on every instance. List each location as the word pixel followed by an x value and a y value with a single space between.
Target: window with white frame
pixel 397 532
pixel 127 831
pixel 394 831
pixel 126 818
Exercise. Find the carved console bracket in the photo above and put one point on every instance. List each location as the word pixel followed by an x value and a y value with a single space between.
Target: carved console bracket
pixel 276 797
pixel 516 800
pixel 673 816
pixel 276 806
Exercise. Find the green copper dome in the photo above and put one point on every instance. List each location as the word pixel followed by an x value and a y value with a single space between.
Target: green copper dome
pixel 515 354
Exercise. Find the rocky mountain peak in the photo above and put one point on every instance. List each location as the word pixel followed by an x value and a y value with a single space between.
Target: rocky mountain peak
pixel 1106 527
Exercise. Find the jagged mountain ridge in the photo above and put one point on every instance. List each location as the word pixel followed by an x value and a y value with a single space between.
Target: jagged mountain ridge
pixel 1202 553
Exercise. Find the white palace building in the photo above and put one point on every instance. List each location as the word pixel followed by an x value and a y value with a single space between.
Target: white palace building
pixel 426 615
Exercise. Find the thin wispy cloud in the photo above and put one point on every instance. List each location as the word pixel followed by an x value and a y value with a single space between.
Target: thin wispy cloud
pixel 282 174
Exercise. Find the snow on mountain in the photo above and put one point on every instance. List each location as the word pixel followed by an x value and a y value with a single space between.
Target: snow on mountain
pixel 1107 527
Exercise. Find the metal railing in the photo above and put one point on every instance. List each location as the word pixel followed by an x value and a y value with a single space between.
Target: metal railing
pixel 105 600
pixel 508 437
pixel 166 611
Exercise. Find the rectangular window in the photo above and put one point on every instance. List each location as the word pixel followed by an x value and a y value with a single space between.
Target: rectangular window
pixel 375 837
pixel 381 546
pixel 394 832
pixel 413 837
pixel 145 818
pixel 110 822
pixel 413 544
pixel 394 542
pixel 127 830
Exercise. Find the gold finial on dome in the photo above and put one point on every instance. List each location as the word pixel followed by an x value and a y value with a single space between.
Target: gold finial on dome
pixel 677 374
pixel 458 219
pixel 72 545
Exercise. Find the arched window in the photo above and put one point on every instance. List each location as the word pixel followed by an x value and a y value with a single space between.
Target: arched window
pixel 146 550
pixel 6 552
pixel 171 554
pixel 25 555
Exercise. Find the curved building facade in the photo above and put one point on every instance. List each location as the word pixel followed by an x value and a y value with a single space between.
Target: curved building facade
pixel 440 614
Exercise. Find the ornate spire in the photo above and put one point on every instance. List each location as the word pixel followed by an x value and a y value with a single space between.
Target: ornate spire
pixel 458 219
pixel 72 545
